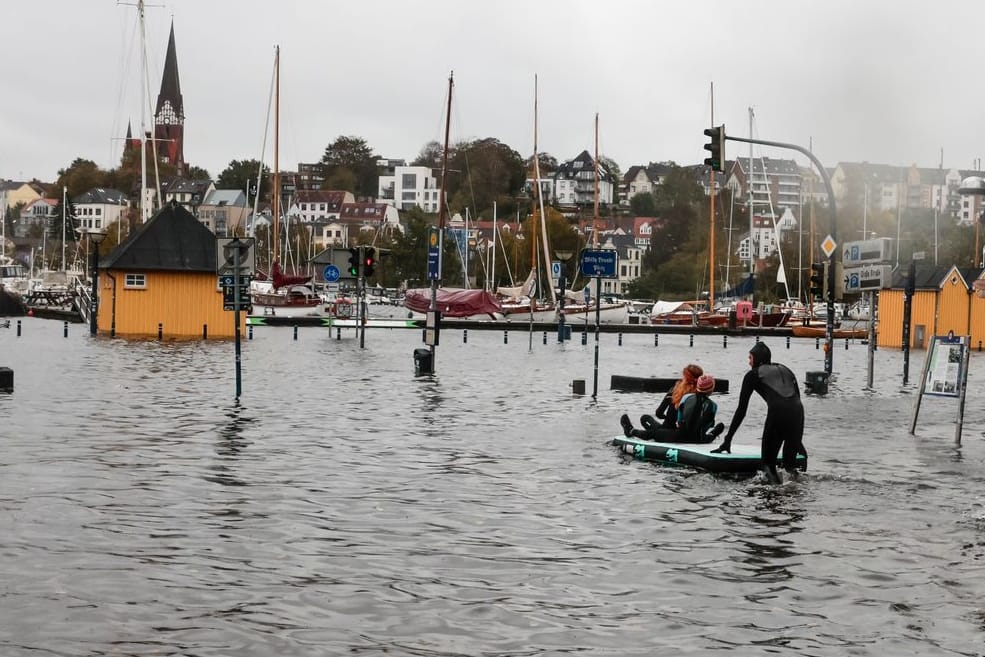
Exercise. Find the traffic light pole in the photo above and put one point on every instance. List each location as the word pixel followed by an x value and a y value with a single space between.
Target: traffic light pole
pixel 832 230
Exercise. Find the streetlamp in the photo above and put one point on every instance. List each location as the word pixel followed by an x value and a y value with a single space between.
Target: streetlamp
pixel 563 256
pixel 95 238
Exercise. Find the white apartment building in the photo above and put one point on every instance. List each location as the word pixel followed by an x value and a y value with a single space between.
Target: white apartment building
pixel 409 187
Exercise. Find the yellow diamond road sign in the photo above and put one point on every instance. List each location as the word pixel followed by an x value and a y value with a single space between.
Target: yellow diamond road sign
pixel 828 246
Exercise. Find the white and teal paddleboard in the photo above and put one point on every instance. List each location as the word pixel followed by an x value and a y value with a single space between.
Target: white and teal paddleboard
pixel 744 459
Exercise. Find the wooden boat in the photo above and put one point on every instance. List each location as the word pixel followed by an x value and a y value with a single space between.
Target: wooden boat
pixel 838 333
pixel 744 459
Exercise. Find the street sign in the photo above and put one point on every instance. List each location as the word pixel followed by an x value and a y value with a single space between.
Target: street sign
pixel 602 263
pixel 332 273
pixel 227 280
pixel 866 251
pixel 555 270
pixel 225 250
pixel 867 277
pixel 828 245
pixel 434 254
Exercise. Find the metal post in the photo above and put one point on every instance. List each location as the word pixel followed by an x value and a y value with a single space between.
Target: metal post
pixel 560 306
pixel 598 317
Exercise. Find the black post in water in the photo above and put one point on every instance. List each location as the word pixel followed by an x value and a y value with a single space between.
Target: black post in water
pixel 236 332
pixel 598 316
pixel 908 291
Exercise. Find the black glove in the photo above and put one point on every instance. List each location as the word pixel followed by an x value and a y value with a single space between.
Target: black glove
pixel 724 448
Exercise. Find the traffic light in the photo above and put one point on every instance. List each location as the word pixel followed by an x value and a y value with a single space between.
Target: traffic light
pixel 818 279
pixel 354 262
pixel 369 259
pixel 716 144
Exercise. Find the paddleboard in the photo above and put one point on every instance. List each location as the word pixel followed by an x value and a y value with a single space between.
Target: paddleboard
pixel 744 459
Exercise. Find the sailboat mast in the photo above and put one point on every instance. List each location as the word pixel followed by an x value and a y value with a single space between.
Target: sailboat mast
pixel 274 206
pixel 441 199
pixel 595 213
pixel 540 201
pixel 711 229
pixel 752 242
pixel 143 124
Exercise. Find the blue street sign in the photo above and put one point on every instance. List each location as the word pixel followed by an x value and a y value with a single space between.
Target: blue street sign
pixel 331 273
pixel 227 280
pixel 601 263
pixel 555 270
pixel 434 254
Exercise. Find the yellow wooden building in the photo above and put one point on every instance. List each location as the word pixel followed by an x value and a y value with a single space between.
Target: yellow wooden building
pixel 162 281
pixel 943 300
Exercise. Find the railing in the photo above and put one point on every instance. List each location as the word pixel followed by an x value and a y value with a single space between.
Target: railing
pixel 82 299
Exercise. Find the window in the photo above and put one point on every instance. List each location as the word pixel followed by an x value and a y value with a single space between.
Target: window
pixel 408 180
pixel 136 281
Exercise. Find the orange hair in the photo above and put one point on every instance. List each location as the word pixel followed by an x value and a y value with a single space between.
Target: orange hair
pixel 687 384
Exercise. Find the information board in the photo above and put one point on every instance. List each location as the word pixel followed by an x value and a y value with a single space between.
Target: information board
pixel 944 373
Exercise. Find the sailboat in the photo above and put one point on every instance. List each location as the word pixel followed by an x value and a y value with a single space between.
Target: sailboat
pixel 576 302
pixel 283 295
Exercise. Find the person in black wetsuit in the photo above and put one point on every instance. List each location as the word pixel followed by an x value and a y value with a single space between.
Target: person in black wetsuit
pixel 695 419
pixel 777 385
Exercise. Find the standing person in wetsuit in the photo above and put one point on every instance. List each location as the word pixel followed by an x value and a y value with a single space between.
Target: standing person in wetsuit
pixel 777 385
pixel 695 419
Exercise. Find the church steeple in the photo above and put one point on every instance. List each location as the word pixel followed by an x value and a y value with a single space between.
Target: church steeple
pixel 169 117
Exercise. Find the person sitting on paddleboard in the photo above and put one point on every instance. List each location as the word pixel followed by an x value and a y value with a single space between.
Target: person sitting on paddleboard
pixel 695 419
pixel 667 410
pixel 777 385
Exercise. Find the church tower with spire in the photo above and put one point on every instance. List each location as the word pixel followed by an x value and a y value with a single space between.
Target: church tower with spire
pixel 169 117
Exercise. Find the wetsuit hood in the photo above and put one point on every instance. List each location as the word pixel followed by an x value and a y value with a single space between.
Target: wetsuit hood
pixel 760 354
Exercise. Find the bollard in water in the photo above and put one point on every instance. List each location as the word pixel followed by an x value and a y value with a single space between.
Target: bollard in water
pixel 584 337
pixel 788 342
pixel 249 332
pixel 295 331
pixel 578 387
pixel 620 339
pixel 338 332
pixel 160 331
pixel 656 339
pixel 6 379
pixel 545 337
pixel 506 336
pixel 65 330
pixel 817 343
pixel 465 336
pixel 725 341
pixel 846 344
pixel 205 331
pixel 18 328
pixel 691 341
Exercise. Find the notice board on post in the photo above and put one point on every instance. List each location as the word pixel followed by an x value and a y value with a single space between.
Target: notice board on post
pixel 945 374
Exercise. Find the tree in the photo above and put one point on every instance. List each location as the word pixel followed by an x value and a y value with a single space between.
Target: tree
pixel 79 177
pixel 197 173
pixel 430 156
pixel 242 174
pixel 490 172
pixel 354 154
pixel 643 205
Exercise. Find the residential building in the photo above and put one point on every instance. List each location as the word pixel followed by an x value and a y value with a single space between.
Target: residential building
pixel 574 182
pixel 410 187
pixel 38 213
pixel 319 206
pixel 224 211
pixel 13 192
pixel 774 183
pixel 640 179
pixel 98 208
pixel 187 193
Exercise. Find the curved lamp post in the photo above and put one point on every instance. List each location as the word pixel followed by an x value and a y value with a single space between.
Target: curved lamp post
pixel 563 256
pixel 95 238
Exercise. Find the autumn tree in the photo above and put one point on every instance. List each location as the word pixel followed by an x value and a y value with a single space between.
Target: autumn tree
pixel 353 155
pixel 242 174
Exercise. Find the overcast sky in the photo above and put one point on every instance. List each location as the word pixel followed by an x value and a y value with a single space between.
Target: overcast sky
pixel 889 81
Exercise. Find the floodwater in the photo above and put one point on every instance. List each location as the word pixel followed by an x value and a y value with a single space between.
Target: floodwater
pixel 345 506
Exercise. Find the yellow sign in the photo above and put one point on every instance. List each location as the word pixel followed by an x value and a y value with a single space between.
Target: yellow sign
pixel 828 245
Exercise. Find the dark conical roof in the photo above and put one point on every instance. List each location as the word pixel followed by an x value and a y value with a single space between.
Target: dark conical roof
pixel 170 85
pixel 173 240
